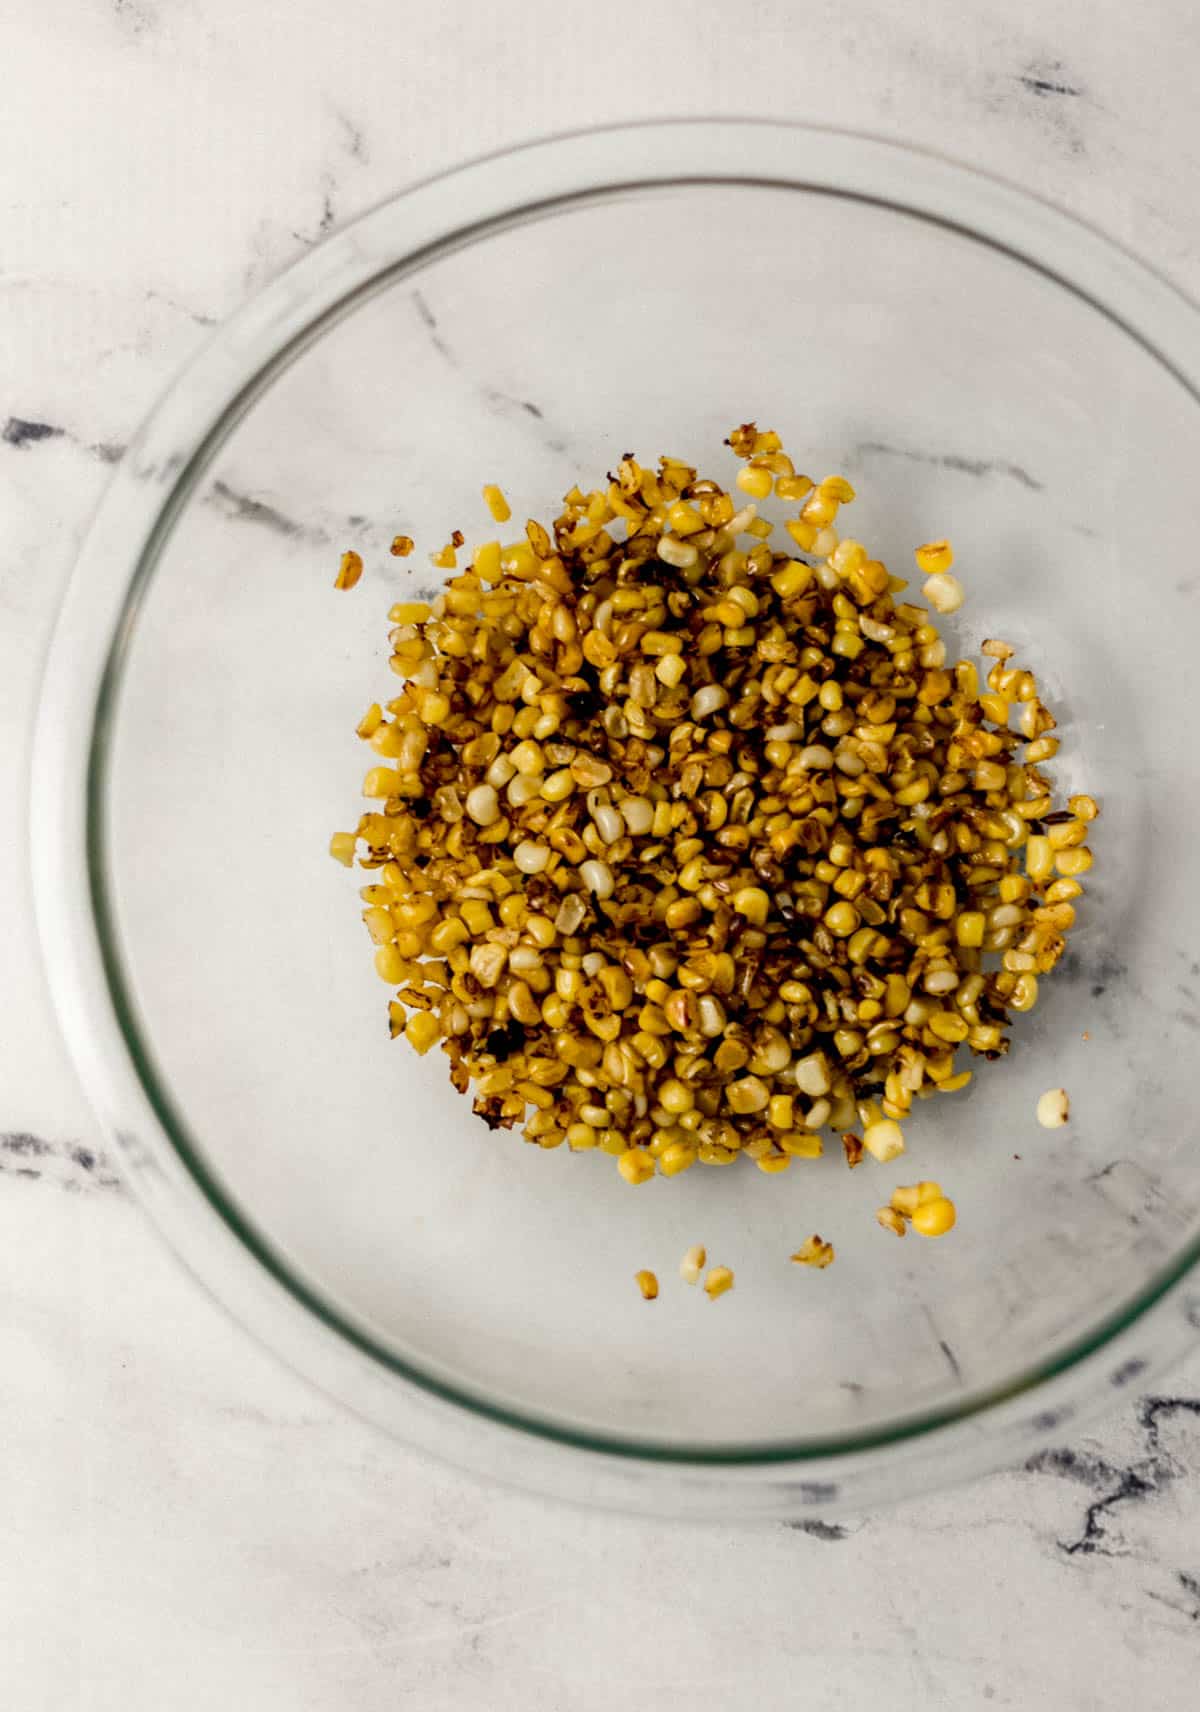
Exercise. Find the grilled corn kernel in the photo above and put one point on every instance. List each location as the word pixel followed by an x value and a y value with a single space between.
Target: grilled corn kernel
pixel 647 1283
pixel 813 1251
pixel 719 1280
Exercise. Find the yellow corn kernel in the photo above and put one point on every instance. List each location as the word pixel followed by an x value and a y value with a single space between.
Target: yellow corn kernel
pixel 1083 807
pixel 771 1163
pixel 883 1140
pixel 779 1111
pixel 754 481
pixel 382 782
pixel 803 534
pixel 842 919
pixel 496 503
pixel 410 612
pixel 753 903
pixel 342 846
pixel 390 965
pixel 1039 858
pixel 402 546
pixel 677 1158
pixel 670 670
pixel 1069 863
pixel 719 1280
pixel 422 1030
pixel 934 1217
pixel 800 1144
pixel 636 1165
pixel 793 579
pixel 647 1283
pixel 349 571
pixel 485 561
pixel 968 929
pixel 934 557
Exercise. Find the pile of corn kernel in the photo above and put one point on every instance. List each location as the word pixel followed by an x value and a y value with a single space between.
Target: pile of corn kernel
pixel 690 844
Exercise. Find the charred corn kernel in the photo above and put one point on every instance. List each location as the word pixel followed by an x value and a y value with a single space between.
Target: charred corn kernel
pixel 342 846
pixel 636 1165
pixel 496 503
pixel 719 1280
pixel 934 1218
pixel 883 1140
pixel 349 571
pixel 934 558
pixel 647 1283
pixel 1053 1108
pixel 891 1220
pixel 402 546
pixel 692 1264
pixel 814 1251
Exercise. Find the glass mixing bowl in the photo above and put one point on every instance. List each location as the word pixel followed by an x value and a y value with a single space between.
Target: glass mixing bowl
pixel 981 367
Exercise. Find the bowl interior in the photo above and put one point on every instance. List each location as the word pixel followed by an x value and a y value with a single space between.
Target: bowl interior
pixel 964 393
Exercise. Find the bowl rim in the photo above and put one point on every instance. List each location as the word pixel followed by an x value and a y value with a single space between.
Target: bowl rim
pixel 80 940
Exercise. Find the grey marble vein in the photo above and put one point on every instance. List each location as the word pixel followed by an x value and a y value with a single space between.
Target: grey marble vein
pixel 950 461
pixel 68 1165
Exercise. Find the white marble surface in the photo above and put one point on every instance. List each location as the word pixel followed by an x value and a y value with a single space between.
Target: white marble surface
pixel 182 1524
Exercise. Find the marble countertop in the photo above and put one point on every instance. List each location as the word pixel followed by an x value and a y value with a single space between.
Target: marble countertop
pixel 182 1523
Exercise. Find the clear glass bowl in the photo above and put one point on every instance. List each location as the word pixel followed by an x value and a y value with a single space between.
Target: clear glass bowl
pixel 981 367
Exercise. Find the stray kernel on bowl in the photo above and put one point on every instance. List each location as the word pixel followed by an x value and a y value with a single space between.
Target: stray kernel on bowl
pixel 687 840
pixel 1054 1108
pixel 814 1252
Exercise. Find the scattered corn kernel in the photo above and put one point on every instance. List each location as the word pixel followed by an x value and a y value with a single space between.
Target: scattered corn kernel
pixel 814 1251
pixel 647 1283
pixel 719 1280
pixel 349 571
pixel 693 1263
pixel 1053 1108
